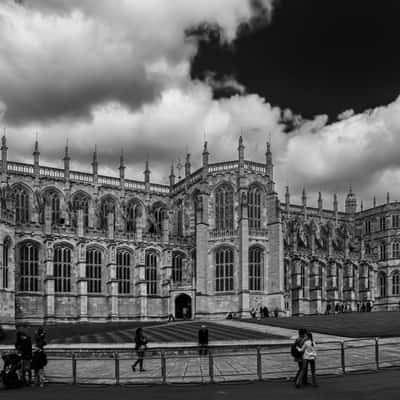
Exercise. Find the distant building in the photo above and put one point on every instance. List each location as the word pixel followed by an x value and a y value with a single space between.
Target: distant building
pixel 80 246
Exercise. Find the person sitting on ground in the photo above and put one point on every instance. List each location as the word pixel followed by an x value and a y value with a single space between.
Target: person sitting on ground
pixel 229 315
pixel 39 361
pixel 23 346
pixel 298 355
pixel 309 356
pixel 203 340
pixel 140 347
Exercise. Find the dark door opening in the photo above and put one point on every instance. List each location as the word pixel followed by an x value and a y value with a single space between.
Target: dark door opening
pixel 183 306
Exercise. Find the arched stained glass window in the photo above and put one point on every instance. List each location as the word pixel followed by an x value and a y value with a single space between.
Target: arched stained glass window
pixel 256 262
pixel 29 267
pixel 396 284
pixel 4 269
pixel 124 271
pixel 81 202
pixel 93 270
pixel 107 206
pixel 52 198
pixel 224 208
pixel 254 208
pixel 224 269
pixel 177 267
pixel 21 197
pixel 132 213
pixel 151 272
pixel 62 269
pixel 382 284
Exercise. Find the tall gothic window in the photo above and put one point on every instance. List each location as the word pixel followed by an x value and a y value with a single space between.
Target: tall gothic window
pixel 177 267
pixel 320 275
pixel 382 223
pixel 62 269
pixel 396 250
pixel 159 215
pixel 256 257
pixel 81 202
pixel 382 285
pixel 21 196
pixel 286 273
pixel 254 207
pixel 224 269
pixel 303 278
pixel 224 208
pixel 179 221
pixel 29 267
pixel 151 272
pixel 382 251
pixel 132 212
pixel 107 206
pixel 396 284
pixel 124 272
pixel 4 267
pixel 93 270
pixel 53 200
pixel 396 221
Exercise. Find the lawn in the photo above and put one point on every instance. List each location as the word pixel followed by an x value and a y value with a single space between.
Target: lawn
pixel 160 332
pixel 357 325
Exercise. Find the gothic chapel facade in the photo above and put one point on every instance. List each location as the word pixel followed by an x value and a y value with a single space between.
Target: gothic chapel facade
pixel 81 246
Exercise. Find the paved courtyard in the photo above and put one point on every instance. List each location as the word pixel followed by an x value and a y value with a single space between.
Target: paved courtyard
pixel 381 385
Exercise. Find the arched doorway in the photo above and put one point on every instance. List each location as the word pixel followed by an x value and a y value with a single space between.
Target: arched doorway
pixel 183 306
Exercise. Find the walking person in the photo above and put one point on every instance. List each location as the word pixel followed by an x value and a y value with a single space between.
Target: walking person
pixel 309 357
pixel 297 354
pixel 23 346
pixel 39 361
pixel 203 340
pixel 140 347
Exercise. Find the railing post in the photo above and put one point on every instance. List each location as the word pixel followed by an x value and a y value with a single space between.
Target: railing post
pixel 259 365
pixel 342 357
pixel 116 361
pixel 163 367
pixel 377 353
pixel 211 366
pixel 73 369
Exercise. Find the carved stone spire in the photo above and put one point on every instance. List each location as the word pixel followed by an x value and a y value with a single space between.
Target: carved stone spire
pixel 187 165
pixel 205 155
pixel 147 171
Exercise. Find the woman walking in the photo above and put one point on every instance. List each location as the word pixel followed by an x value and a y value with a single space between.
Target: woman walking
pixel 140 347
pixel 309 356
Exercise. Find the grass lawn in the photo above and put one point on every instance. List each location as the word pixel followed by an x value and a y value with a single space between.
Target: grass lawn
pixel 124 332
pixel 357 325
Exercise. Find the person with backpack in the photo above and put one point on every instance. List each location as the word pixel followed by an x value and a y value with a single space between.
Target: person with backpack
pixel 40 337
pixel 39 361
pixel 140 347
pixel 297 354
pixel 309 356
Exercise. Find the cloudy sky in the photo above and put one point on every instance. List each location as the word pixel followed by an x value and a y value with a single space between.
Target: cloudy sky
pixel 320 78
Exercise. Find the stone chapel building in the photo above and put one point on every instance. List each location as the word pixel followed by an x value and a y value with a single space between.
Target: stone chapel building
pixel 78 246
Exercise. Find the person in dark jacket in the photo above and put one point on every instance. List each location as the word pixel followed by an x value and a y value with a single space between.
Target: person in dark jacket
pixel 203 340
pixel 39 361
pixel 140 347
pixel 40 338
pixel 23 346
pixel 298 356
